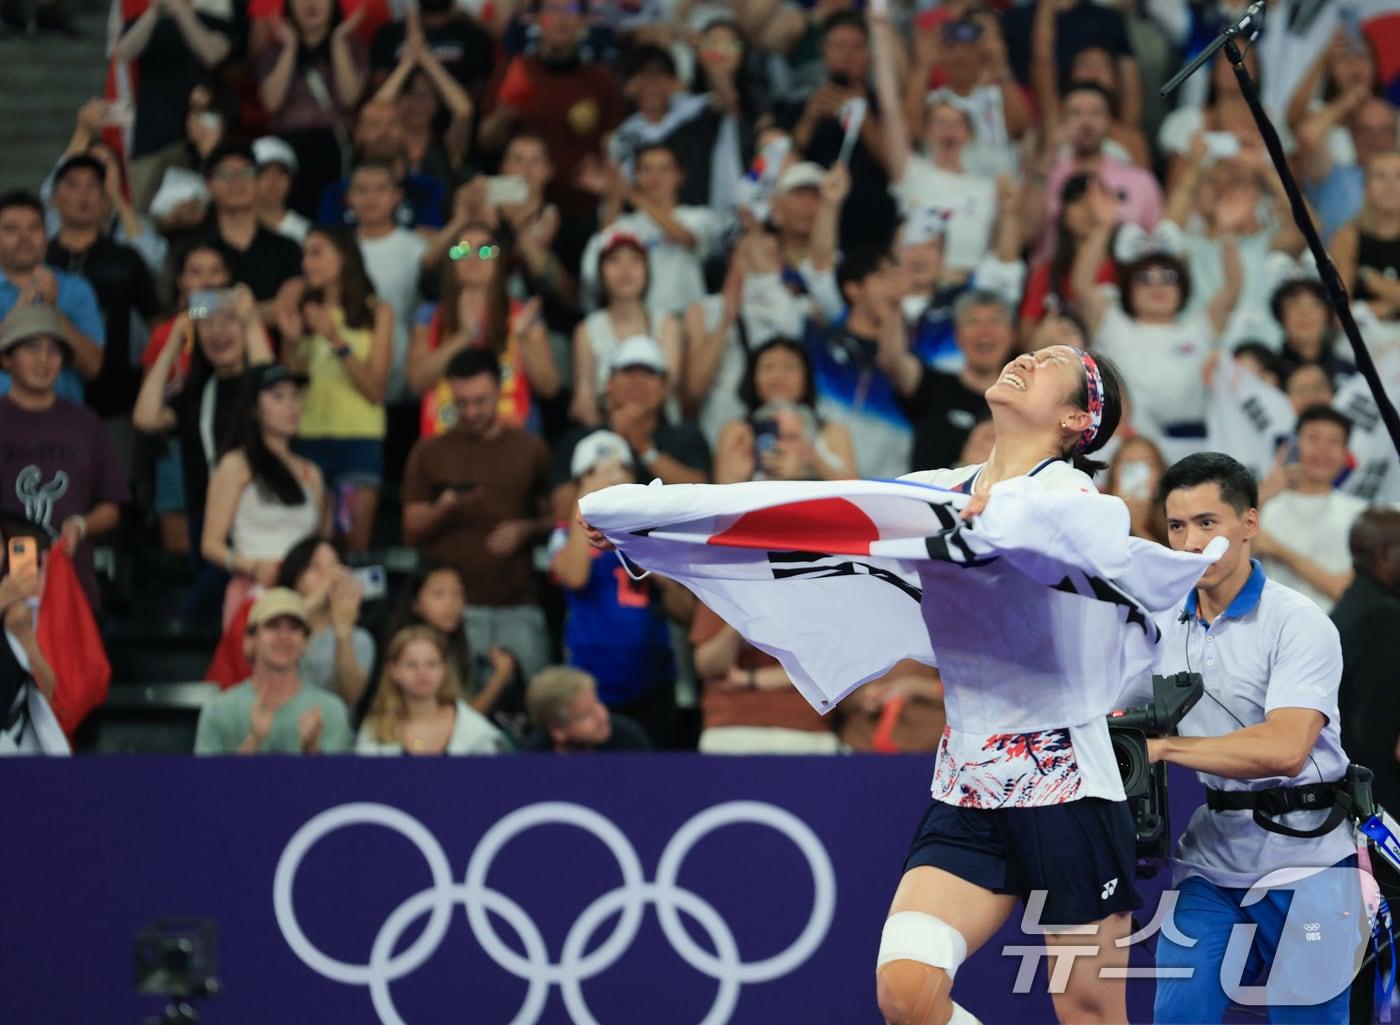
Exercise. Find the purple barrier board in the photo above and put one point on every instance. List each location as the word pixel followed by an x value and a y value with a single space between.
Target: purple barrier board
pixel 623 890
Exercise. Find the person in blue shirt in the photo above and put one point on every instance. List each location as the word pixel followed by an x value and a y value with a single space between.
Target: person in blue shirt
pixel 1265 740
pixel 616 628
pixel 25 280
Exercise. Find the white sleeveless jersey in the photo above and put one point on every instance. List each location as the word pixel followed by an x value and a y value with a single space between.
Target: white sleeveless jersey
pixel 995 668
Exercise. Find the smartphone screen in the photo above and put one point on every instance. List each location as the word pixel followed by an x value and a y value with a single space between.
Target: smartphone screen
pixel 24 556
pixel 374 581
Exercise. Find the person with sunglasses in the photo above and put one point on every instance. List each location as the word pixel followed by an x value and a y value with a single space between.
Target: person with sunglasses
pixel 1165 353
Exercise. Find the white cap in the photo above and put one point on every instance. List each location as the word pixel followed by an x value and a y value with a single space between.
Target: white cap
pixel 596 449
pixel 272 150
pixel 638 351
pixel 804 175
pixel 925 224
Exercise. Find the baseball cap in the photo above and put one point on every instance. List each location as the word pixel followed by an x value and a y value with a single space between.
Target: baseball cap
pixel 274 602
pixel 269 375
pixel 596 449
pixel 37 320
pixel 803 175
pixel 925 225
pixel 617 240
pixel 638 351
pixel 79 160
pixel 272 150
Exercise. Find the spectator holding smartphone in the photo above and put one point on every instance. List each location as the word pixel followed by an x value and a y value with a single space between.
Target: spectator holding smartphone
pixel 475 497
pixel 27 684
pixel 342 338
pixel 782 438
pixel 196 366
pixel 272 712
pixel 58 470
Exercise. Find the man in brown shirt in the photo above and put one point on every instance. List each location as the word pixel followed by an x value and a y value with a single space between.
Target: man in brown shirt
pixel 475 497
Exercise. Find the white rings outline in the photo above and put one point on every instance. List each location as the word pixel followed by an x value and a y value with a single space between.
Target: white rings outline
pixel 627 901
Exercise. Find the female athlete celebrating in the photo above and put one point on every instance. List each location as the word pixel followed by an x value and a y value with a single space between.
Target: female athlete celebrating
pixel 1014 813
pixel 1027 801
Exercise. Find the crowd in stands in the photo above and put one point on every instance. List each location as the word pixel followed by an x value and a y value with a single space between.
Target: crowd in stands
pixel 332 279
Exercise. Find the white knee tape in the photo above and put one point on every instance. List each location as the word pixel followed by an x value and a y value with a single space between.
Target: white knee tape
pixel 915 936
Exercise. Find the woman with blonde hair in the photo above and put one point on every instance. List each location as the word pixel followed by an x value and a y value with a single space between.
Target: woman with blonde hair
pixel 418 708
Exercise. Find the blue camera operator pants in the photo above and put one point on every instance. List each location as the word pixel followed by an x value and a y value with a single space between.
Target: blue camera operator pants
pixel 1309 939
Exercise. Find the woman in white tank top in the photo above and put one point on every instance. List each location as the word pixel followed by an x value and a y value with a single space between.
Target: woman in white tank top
pixel 625 277
pixel 262 498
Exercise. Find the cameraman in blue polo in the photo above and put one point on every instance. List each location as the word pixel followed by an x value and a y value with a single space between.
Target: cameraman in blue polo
pixel 1265 740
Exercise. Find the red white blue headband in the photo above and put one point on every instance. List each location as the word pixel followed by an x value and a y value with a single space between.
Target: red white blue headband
pixel 1093 381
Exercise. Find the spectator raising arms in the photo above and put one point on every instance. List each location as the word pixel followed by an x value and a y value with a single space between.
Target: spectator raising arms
pixel 174 44
pixel 418 708
pixel 196 365
pixel 939 176
pixel 426 93
pixel 272 712
pixel 310 76
pixel 1164 354
pixel 262 498
pixel 342 337
pixel 23 668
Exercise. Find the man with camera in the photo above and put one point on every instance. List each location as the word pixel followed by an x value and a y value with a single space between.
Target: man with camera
pixel 1265 740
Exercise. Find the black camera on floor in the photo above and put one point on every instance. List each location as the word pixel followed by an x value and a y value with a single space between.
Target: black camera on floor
pixel 1145 784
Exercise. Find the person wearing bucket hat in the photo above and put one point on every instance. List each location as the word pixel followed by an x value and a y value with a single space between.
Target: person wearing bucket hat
pixel 58 469
pixel 263 498
pixel 25 279
pixel 273 712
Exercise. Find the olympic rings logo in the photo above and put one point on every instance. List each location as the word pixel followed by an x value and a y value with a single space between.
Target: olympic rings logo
pixel 574 967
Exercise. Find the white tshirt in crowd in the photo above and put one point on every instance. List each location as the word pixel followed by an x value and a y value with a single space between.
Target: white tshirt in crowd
pixel 1162 365
pixel 294 226
pixel 1316 527
pixel 971 200
pixel 472 734
pixel 677 272
pixel 392 263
